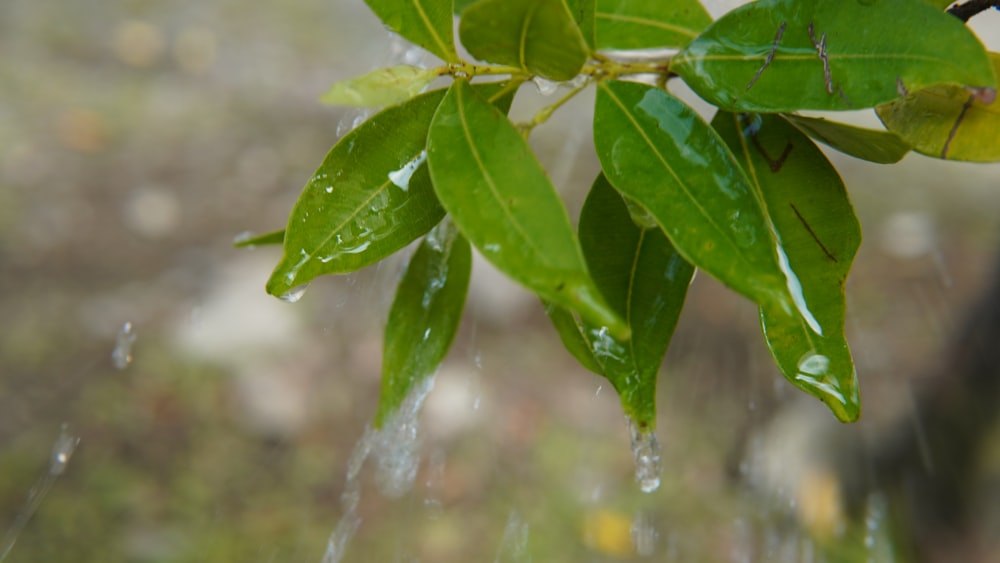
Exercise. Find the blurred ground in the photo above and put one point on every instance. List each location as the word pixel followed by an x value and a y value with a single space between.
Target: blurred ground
pixel 138 138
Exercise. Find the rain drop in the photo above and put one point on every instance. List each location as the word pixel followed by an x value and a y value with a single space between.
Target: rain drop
pixel 294 294
pixel 545 87
pixel 121 356
pixel 62 450
pixel 646 454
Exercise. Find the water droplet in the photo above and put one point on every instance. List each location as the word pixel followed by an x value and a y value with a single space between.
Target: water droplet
pixel 599 388
pixel 545 87
pixel 514 543
pixel 646 454
pixel 435 482
pixel 579 80
pixel 62 450
pixel 121 356
pixel 293 295
pixel 242 237
pixel 401 178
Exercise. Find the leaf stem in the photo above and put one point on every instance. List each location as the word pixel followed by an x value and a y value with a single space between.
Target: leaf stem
pixel 546 112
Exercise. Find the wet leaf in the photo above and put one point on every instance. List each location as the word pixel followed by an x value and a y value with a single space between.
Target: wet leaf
pixel 947 122
pixel 382 87
pixel 425 315
pixel 424 22
pixel 658 152
pixel 784 55
pixel 645 280
pixel 539 36
pixel 370 197
pixel 274 237
pixel 812 216
pixel 499 196
pixel 642 24
pixel 882 147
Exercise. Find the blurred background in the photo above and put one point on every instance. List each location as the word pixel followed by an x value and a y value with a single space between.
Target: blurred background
pixel 157 406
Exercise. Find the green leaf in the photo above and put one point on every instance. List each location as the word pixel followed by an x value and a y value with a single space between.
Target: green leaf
pixel 812 216
pixel 645 24
pixel 785 55
pixel 371 196
pixel 645 280
pixel 424 22
pixel 584 13
pixel 382 87
pixel 492 185
pixel 424 316
pixel 251 241
pixel 882 147
pixel 948 122
pixel 539 36
pixel 940 4
pixel 461 5
pixel 658 152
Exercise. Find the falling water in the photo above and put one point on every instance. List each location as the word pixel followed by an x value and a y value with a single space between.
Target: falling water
pixel 62 451
pixel 121 356
pixel 646 454
pixel 514 543
pixel 644 534
pixel 395 448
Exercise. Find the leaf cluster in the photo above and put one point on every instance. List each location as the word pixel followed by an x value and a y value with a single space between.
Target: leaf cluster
pixel 747 197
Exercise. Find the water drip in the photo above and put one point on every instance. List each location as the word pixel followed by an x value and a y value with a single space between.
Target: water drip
pixel 646 454
pixel 294 294
pixel 121 356
pixel 545 87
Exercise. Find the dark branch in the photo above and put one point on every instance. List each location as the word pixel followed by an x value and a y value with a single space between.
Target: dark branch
pixel 966 10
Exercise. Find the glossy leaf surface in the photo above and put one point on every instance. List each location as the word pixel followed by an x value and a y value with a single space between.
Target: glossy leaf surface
pixel 644 24
pixel 656 150
pixel 784 55
pixel 539 36
pixel 425 314
pixel 424 22
pixel 251 241
pixel 370 197
pixel 947 122
pixel 882 147
pixel 498 194
pixel 819 233
pixel 645 280
pixel 382 87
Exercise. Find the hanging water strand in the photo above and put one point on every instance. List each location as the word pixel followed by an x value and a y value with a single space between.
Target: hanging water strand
pixel 395 448
pixel 646 454
pixel 62 451
pixel 644 534
pixel 514 543
pixel 349 522
pixel 121 356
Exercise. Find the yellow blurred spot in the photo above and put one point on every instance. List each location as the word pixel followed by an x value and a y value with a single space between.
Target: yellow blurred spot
pixel 820 503
pixel 138 43
pixel 194 50
pixel 608 532
pixel 82 130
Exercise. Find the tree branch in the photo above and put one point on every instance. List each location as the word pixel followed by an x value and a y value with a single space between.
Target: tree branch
pixel 966 10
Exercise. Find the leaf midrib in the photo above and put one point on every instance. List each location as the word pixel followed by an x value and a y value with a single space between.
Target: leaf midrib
pixel 638 20
pixel 677 180
pixel 489 179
